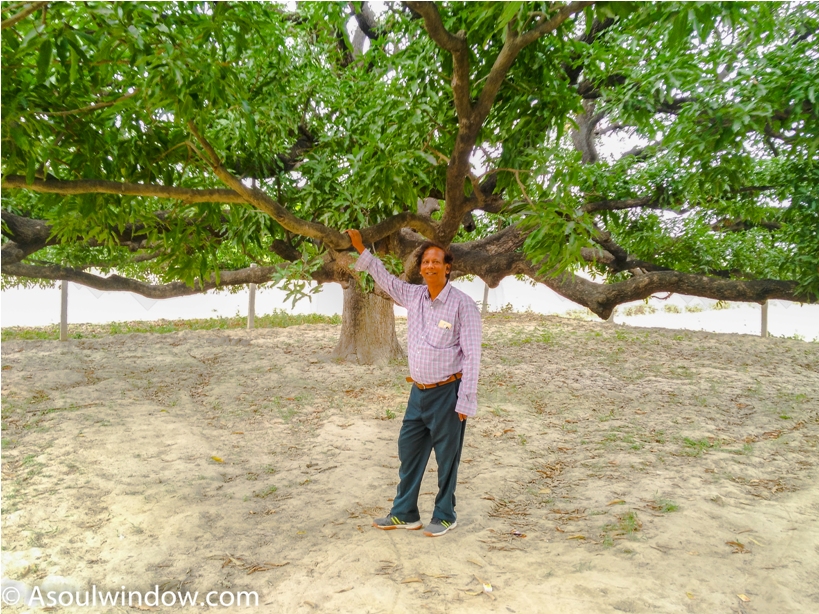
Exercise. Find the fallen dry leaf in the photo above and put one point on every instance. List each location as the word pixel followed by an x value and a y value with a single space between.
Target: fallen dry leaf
pixel 738 547
pixel 616 502
pixel 577 537
pixel 690 595
pixel 217 459
pixel 265 567
pixel 411 580
pixel 744 598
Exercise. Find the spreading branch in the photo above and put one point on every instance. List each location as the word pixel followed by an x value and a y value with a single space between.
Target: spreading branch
pixel 117 283
pixel 470 119
pixel 256 197
pixel 97 186
pixel 34 6
pixel 603 298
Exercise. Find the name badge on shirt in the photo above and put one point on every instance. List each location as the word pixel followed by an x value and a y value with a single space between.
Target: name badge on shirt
pixel 444 324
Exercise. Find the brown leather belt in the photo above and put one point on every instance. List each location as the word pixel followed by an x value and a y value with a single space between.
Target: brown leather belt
pixel 448 380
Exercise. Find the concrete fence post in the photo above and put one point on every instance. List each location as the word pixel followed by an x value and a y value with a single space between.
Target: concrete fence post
pixel 764 332
pixel 485 305
pixel 251 305
pixel 64 311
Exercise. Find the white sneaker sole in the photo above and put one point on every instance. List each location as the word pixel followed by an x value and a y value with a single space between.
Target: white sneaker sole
pixel 410 526
pixel 444 532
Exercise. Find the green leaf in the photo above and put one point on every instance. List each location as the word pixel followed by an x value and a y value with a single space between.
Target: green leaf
pixel 43 61
pixel 510 9
pixel 31 169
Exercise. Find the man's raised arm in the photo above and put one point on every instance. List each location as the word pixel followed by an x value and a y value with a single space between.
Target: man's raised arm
pixel 400 291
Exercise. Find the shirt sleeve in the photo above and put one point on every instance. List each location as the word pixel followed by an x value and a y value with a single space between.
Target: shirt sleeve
pixel 400 291
pixel 470 341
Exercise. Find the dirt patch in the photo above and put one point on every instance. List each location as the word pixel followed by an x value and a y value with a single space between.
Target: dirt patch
pixel 609 469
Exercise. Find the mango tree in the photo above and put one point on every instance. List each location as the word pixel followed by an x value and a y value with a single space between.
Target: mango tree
pixel 164 148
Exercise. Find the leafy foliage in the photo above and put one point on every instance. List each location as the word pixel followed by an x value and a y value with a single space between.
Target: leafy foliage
pixel 719 100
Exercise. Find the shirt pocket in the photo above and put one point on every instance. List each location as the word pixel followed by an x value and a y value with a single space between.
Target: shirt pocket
pixel 441 337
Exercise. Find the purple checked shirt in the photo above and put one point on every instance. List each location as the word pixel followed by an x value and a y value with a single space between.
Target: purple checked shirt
pixel 443 336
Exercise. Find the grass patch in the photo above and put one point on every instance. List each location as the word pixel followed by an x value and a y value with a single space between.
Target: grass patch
pixel 627 525
pixel 278 319
pixel 266 492
pixel 538 335
pixel 696 447
pixel 664 506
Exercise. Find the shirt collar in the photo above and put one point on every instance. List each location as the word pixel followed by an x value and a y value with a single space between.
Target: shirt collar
pixel 444 294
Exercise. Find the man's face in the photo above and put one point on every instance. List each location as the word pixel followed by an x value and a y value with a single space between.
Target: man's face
pixel 433 269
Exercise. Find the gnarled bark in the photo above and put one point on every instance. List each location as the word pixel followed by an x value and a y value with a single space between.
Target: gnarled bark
pixel 367 329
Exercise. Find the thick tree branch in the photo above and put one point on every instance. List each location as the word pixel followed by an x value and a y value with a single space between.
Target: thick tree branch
pixel 366 21
pixel 471 119
pixel 7 23
pixel 117 283
pixel 603 298
pixel 456 45
pixel 630 263
pixel 583 137
pixel 406 219
pixel 740 225
pixel 27 235
pixel 263 202
pixel 96 186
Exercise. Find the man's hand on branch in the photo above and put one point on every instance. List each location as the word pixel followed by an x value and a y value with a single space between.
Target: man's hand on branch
pixel 355 238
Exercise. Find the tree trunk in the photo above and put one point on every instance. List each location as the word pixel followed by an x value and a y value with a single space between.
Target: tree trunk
pixel 367 329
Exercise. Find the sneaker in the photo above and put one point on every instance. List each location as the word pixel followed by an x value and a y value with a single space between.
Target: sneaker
pixel 437 527
pixel 393 522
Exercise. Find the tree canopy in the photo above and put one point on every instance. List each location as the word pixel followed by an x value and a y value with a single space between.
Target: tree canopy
pixel 163 148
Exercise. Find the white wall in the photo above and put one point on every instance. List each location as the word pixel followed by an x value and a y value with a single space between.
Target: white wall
pixel 38 307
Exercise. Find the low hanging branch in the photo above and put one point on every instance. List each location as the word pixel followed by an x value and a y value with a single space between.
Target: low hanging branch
pixel 603 298
pixel 332 238
pixel 117 283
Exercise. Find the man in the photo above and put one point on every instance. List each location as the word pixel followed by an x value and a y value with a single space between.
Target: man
pixel 444 347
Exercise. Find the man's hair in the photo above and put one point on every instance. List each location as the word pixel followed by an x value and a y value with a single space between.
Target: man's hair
pixel 448 257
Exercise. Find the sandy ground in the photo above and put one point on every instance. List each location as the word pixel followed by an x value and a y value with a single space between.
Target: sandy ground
pixel 610 469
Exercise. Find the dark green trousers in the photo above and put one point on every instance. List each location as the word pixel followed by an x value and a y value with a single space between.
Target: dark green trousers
pixel 431 423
